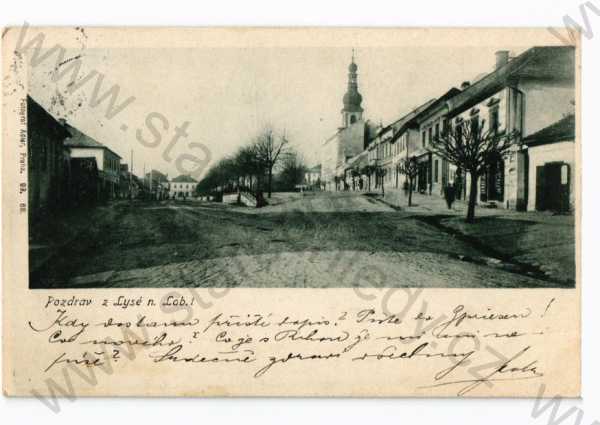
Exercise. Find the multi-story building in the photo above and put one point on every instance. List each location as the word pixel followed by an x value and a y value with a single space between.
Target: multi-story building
pixel 182 187
pixel 531 95
pixel 47 165
pixel 524 95
pixel 108 162
pixel 429 123
pixel 405 140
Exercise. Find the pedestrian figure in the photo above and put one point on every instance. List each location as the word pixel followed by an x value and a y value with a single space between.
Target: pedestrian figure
pixel 449 195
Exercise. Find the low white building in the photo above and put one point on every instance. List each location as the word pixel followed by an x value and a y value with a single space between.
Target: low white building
pixel 312 177
pixel 182 187
pixel 551 154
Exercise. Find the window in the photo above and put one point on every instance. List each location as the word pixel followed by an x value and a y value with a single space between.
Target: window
pixel 494 119
pixel 424 136
pixel 475 124
pixel 437 130
pixel 430 131
pixel 352 119
pixel 564 174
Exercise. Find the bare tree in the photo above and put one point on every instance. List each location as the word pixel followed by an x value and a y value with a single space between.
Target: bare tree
pixel 470 148
pixel 410 168
pixel 269 147
pixel 368 170
pixel 380 173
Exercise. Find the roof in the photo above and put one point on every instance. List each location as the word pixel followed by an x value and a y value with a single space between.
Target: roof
pixel 437 102
pixel 157 176
pixel 79 139
pixel 39 118
pixel 358 161
pixel 184 178
pixel 126 175
pixel 547 62
pixel 560 131
pixel 402 124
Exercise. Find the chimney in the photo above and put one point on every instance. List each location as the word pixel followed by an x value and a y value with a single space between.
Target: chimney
pixel 501 58
pixel 465 85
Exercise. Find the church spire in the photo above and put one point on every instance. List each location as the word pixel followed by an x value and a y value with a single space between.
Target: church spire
pixel 352 110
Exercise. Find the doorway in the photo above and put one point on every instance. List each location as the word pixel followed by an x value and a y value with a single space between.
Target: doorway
pixel 553 187
pixel 492 181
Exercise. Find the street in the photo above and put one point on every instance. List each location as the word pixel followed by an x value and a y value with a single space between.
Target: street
pixel 318 239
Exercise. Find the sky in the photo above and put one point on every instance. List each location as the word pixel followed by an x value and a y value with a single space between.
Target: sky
pixel 229 94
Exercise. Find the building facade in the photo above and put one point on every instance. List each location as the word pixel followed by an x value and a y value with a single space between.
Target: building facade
pixel 47 165
pixel 531 96
pixel 108 162
pixel 182 187
pixel 551 158
pixel 522 95
pixel 312 177
pixel 434 172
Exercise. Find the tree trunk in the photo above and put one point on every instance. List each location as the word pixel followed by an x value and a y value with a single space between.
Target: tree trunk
pixel 382 187
pixel 410 185
pixel 270 180
pixel 472 198
pixel 257 191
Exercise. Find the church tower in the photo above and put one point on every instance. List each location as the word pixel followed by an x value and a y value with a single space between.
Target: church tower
pixel 352 111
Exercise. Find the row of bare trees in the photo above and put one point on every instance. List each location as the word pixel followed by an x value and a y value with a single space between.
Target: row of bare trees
pixel 466 145
pixel 252 167
pixel 470 147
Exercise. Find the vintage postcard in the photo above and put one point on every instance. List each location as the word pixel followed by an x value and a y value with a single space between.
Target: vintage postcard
pixel 291 212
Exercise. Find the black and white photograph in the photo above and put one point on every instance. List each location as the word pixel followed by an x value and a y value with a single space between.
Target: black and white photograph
pixel 308 167
pixel 299 212
pixel 384 214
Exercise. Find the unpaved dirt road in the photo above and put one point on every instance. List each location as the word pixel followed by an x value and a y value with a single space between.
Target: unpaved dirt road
pixel 315 240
